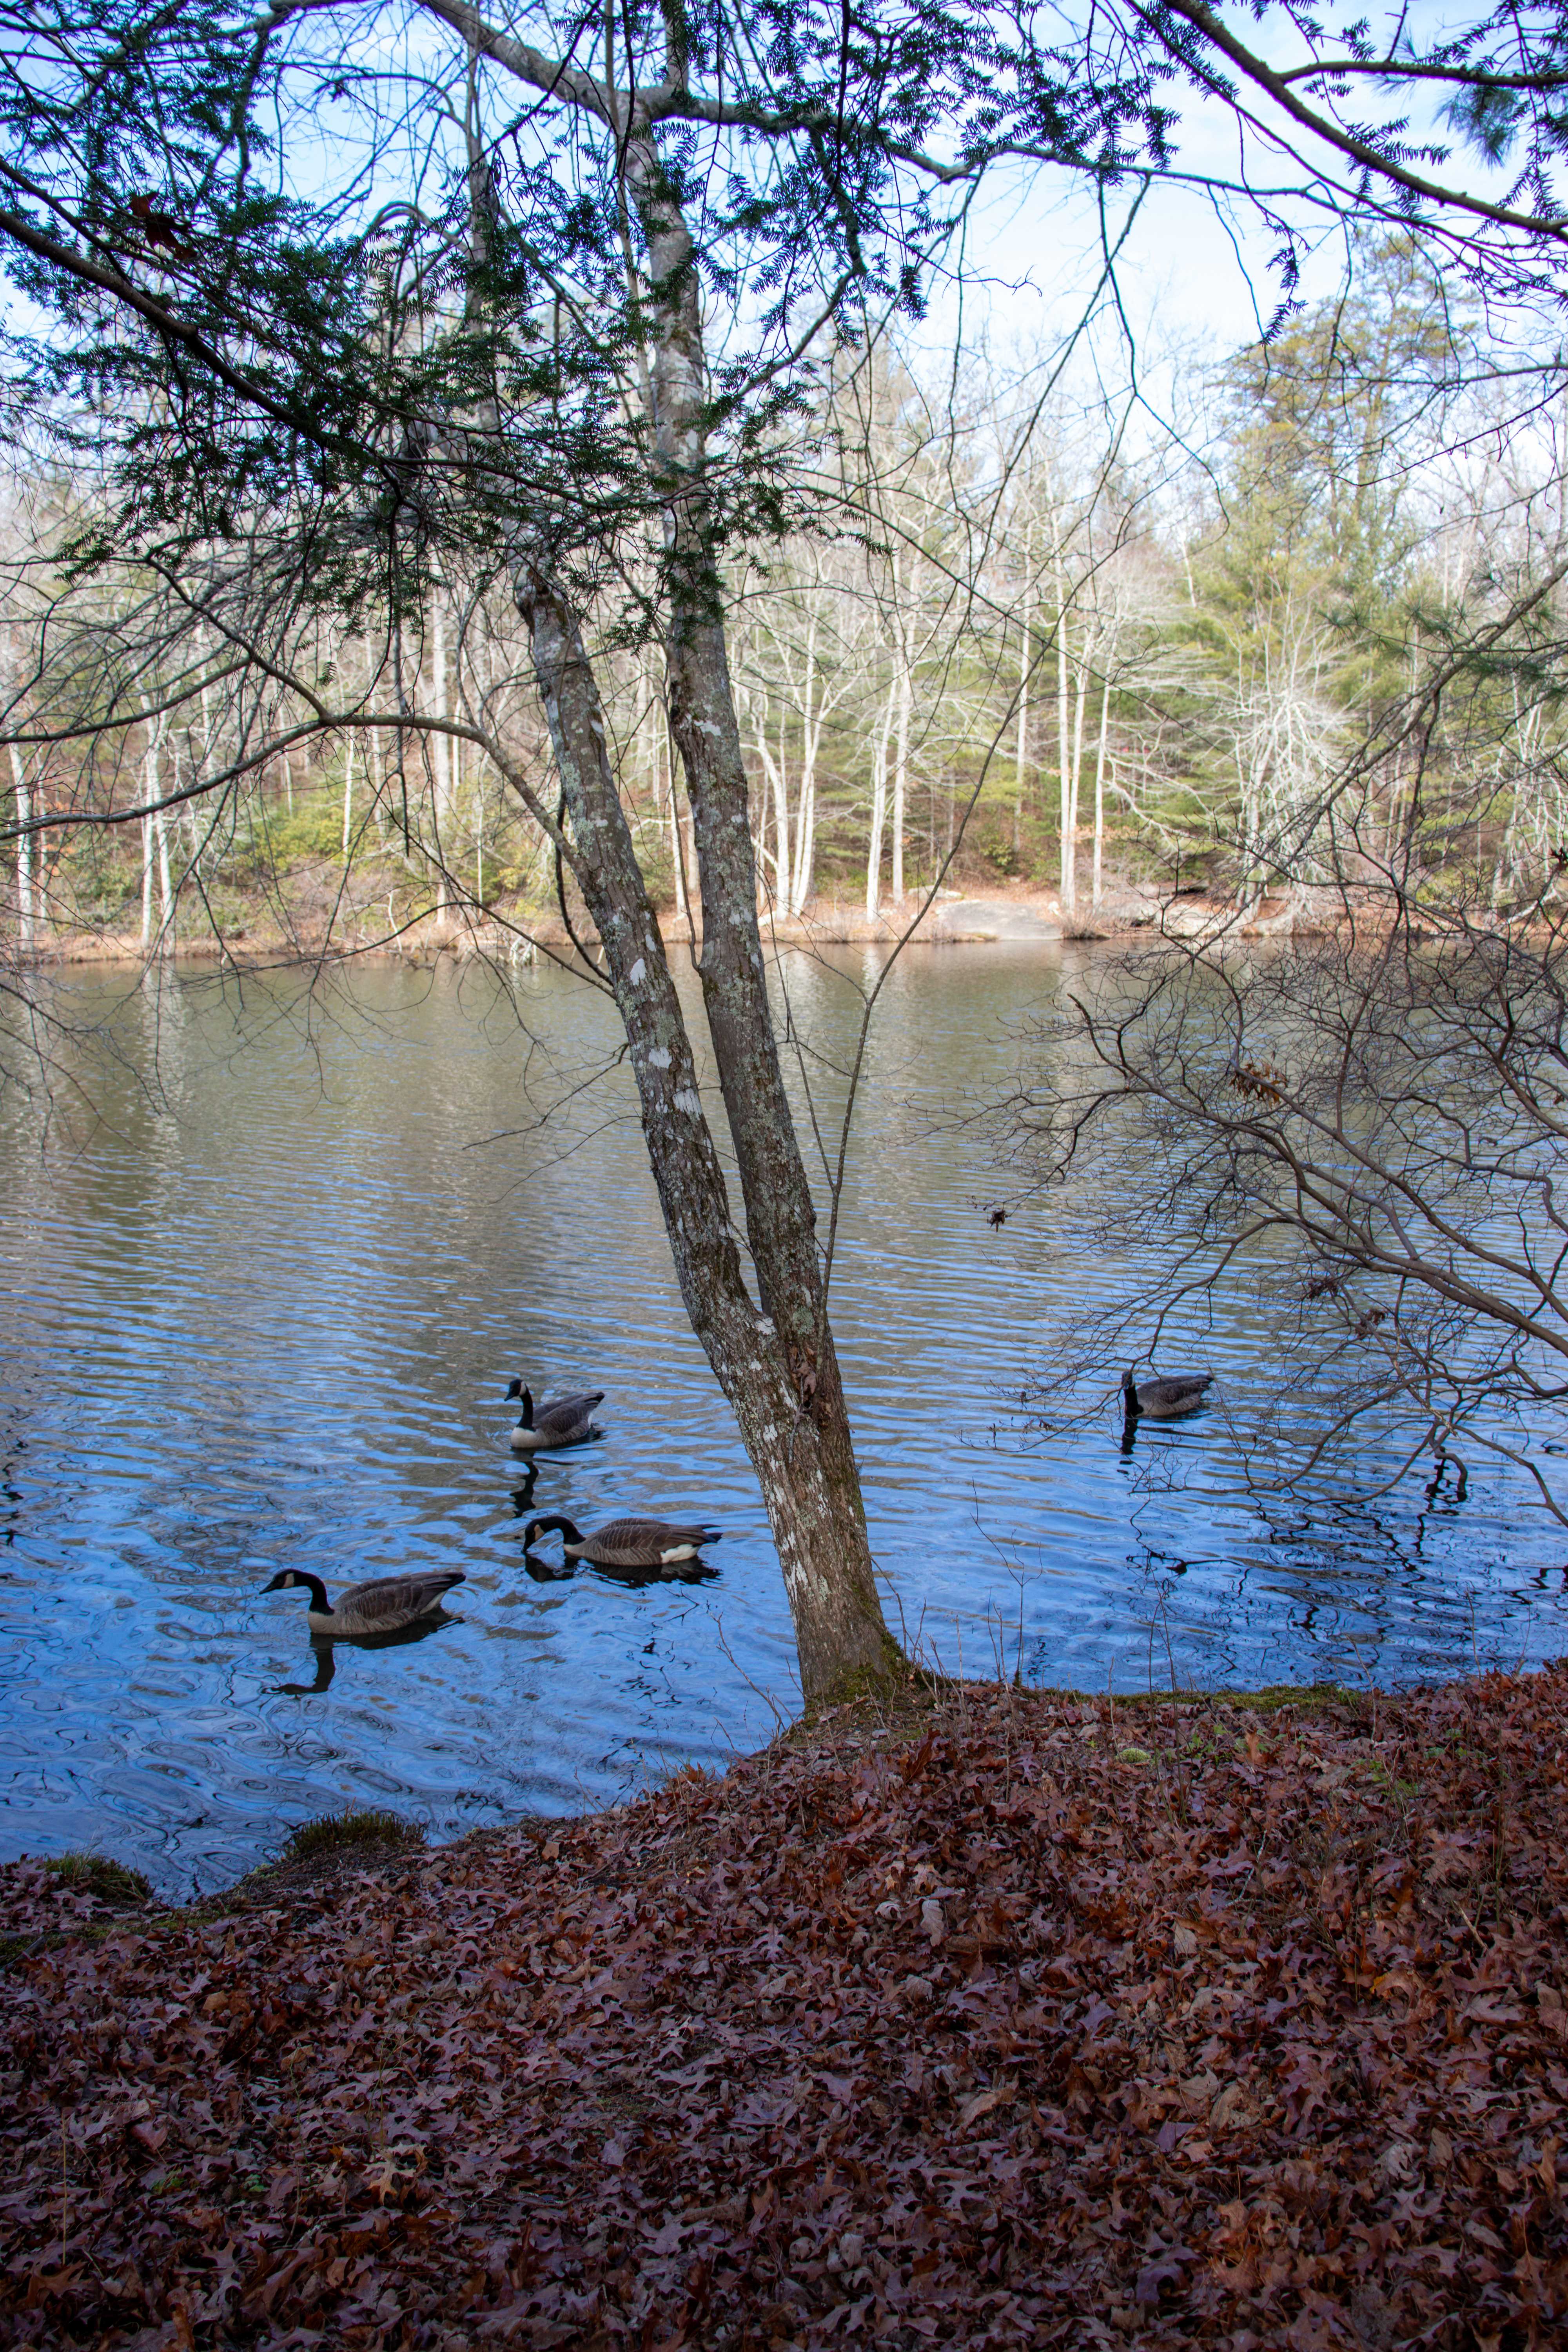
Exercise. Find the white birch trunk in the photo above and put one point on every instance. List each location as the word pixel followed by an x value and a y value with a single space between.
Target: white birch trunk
pixel 441 748
pixel 775 796
pixel 1023 723
pixel 155 845
pixel 374 759
pixel 1064 738
pixel 796 880
pixel 1099 785
pixel 1081 696
pixel 146 883
pixel 805 842
pixel 155 841
pixel 901 769
pixel 24 851
pixel 879 806
pixel 348 792
pixel 781 827
pixel 165 893
pixel 805 821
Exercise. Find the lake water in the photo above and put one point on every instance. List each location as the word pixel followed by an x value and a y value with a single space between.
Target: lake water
pixel 270 1257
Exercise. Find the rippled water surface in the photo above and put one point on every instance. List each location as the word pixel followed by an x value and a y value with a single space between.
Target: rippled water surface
pixel 267 1269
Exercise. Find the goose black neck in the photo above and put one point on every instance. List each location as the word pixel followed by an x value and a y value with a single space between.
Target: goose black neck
pixel 317 1591
pixel 527 1421
pixel 544 1527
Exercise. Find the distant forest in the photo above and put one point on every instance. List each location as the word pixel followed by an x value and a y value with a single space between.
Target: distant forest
pixel 1170 630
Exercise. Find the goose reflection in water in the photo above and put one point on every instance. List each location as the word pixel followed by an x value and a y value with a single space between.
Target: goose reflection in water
pixel 325 1652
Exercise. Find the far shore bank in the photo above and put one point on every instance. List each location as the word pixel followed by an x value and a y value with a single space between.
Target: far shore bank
pixel 990 2015
pixel 1004 915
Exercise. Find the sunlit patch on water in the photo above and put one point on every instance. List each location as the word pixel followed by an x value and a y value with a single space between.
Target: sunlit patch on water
pixel 263 1313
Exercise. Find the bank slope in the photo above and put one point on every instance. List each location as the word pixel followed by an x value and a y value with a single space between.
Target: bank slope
pixel 1025 2019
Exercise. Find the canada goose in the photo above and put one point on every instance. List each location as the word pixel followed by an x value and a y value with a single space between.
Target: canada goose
pixel 1164 1399
pixel 626 1543
pixel 565 1421
pixel 380 1606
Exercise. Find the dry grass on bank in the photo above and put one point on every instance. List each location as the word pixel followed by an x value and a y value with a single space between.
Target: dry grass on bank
pixel 1030 2021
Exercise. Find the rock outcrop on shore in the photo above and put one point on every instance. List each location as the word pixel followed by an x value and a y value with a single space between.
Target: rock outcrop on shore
pixel 1002 2018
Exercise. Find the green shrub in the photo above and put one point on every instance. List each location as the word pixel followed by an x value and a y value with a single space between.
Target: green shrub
pixel 314 830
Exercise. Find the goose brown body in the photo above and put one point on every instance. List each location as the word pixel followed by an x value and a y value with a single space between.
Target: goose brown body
pixel 384 1605
pixel 565 1421
pixel 627 1543
pixel 1167 1398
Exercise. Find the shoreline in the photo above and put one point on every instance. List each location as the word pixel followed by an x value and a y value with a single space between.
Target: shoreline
pixel 1000 916
pixel 984 2015
pixel 1031 920
pixel 815 1735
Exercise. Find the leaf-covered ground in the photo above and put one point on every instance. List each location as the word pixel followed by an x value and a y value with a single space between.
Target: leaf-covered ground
pixel 993 2028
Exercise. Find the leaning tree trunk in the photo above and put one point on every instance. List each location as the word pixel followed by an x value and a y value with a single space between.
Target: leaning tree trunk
pixel 774 1358
pixel 774 1361
pixel 803 1454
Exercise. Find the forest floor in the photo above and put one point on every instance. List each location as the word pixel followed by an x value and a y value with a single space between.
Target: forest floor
pixel 1002 2018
